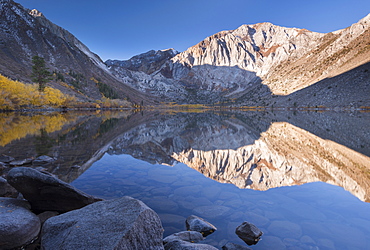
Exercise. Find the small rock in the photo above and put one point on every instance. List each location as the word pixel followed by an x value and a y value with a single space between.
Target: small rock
pixel 189 236
pixel 123 223
pixel 249 233
pixel 6 158
pixel 42 160
pixel 195 223
pixel 18 225
pixel 6 190
pixel 21 162
pixel 47 193
pixel 184 245
pixel 233 246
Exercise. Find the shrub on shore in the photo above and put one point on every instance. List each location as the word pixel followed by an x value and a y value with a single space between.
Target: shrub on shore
pixel 16 95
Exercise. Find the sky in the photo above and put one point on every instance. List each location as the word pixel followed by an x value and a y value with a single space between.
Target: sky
pixel 120 29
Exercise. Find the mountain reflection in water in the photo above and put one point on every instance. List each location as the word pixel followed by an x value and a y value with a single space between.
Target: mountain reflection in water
pixel 251 150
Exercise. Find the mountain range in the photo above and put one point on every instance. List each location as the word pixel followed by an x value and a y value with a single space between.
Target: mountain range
pixel 259 64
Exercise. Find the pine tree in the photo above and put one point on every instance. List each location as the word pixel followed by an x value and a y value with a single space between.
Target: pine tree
pixel 40 73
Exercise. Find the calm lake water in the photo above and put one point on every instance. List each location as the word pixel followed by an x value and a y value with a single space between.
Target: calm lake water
pixel 303 178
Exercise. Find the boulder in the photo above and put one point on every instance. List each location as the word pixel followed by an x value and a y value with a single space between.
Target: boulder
pixel 123 223
pixel 42 160
pixel 47 193
pixel 184 245
pixel 6 158
pixel 195 223
pixel 6 190
pixel 18 225
pixel 189 236
pixel 233 246
pixel 249 233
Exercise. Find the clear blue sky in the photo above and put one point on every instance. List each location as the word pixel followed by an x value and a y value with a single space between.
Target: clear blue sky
pixel 120 29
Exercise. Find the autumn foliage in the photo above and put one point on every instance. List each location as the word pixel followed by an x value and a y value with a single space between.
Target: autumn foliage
pixel 16 95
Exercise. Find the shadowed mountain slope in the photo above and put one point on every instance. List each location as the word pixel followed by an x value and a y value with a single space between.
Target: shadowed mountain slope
pixel 25 33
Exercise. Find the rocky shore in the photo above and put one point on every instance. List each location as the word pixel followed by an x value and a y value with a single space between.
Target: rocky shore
pixel 39 211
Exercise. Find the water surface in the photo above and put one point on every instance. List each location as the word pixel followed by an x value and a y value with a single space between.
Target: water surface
pixel 302 178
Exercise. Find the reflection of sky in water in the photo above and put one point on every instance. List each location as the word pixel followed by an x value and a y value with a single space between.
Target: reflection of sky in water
pixel 310 216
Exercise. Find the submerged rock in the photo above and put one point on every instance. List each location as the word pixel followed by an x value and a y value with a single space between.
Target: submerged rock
pixel 249 233
pixel 184 245
pixel 233 246
pixel 124 223
pixel 18 225
pixel 47 193
pixel 195 223
pixel 189 236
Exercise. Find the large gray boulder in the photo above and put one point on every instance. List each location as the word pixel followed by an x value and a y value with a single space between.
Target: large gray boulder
pixel 195 223
pixel 249 233
pixel 47 193
pixel 18 225
pixel 184 245
pixel 124 223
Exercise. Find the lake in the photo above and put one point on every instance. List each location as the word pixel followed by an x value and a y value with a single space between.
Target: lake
pixel 302 177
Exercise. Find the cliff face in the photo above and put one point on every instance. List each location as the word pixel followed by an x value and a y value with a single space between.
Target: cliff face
pixel 255 48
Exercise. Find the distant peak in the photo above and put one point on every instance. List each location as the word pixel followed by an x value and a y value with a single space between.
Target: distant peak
pixel 36 13
pixel 172 50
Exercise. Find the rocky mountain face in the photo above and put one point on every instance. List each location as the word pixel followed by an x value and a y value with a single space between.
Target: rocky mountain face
pixel 148 62
pixel 25 33
pixel 254 63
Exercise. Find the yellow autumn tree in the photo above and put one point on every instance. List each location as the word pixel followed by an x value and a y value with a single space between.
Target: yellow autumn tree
pixel 15 95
